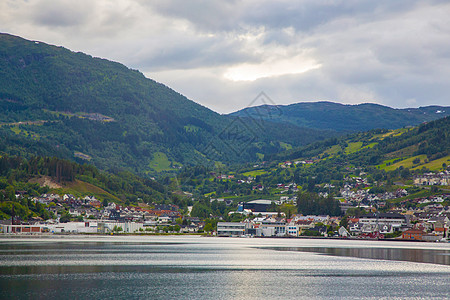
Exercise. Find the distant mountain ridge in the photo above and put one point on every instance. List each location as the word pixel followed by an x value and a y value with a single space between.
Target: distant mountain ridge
pixel 344 118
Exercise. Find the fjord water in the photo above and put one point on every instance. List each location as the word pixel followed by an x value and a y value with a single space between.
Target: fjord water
pixel 191 267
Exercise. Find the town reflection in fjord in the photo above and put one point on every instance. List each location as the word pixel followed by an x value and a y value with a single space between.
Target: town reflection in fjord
pixel 441 257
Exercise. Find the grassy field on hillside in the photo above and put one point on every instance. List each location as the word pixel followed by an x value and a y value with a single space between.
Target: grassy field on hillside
pixel 371 145
pixel 435 165
pixel 406 163
pixel 286 146
pixel 333 150
pixel 80 188
pixel 160 162
pixel 391 133
pixel 407 151
pixel 255 173
pixel 353 147
pixel 191 128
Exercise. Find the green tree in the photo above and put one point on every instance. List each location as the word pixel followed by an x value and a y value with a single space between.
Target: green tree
pixel 344 222
pixel 10 193
pixel 208 227
pixel 117 229
pixel 200 210
pixel 405 174
pixel 288 210
pixel 355 211
pixel 434 189
pixel 65 217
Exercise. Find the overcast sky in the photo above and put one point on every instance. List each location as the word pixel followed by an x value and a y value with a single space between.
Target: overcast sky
pixel 222 54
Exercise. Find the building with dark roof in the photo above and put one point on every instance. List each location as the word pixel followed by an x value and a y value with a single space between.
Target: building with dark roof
pixel 257 205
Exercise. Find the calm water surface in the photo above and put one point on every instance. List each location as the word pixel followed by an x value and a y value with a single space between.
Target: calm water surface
pixel 161 267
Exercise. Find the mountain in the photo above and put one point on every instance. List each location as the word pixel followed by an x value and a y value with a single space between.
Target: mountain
pixel 344 118
pixel 379 161
pixel 424 146
pixel 55 102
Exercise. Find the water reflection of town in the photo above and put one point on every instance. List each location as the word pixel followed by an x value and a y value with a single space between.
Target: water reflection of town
pixel 441 257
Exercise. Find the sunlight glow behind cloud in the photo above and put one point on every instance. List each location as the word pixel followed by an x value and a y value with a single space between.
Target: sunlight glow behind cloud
pixel 271 68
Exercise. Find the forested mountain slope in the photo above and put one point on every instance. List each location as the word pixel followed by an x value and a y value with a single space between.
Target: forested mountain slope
pixel 57 102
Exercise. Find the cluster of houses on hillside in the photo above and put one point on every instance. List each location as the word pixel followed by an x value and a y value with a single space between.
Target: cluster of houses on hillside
pixel 90 207
pixel 431 201
pixel 289 164
pixel 288 186
pixel 224 176
pixel 87 206
pixel 441 178
pixel 364 199
pixel 361 195
pixel 96 218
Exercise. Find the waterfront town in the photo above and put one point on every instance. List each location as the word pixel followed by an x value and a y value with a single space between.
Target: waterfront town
pixel 420 219
pixel 224 149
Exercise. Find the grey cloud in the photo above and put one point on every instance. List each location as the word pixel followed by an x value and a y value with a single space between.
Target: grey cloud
pixel 206 15
pixel 302 15
pixel 59 13
pixel 216 16
pixel 181 52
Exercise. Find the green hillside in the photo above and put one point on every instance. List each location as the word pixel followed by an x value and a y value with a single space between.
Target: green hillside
pixel 387 159
pixel 378 161
pixel 37 175
pixel 55 102
pixel 425 146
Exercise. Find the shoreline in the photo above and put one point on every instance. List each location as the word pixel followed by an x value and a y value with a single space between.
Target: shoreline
pixel 74 235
